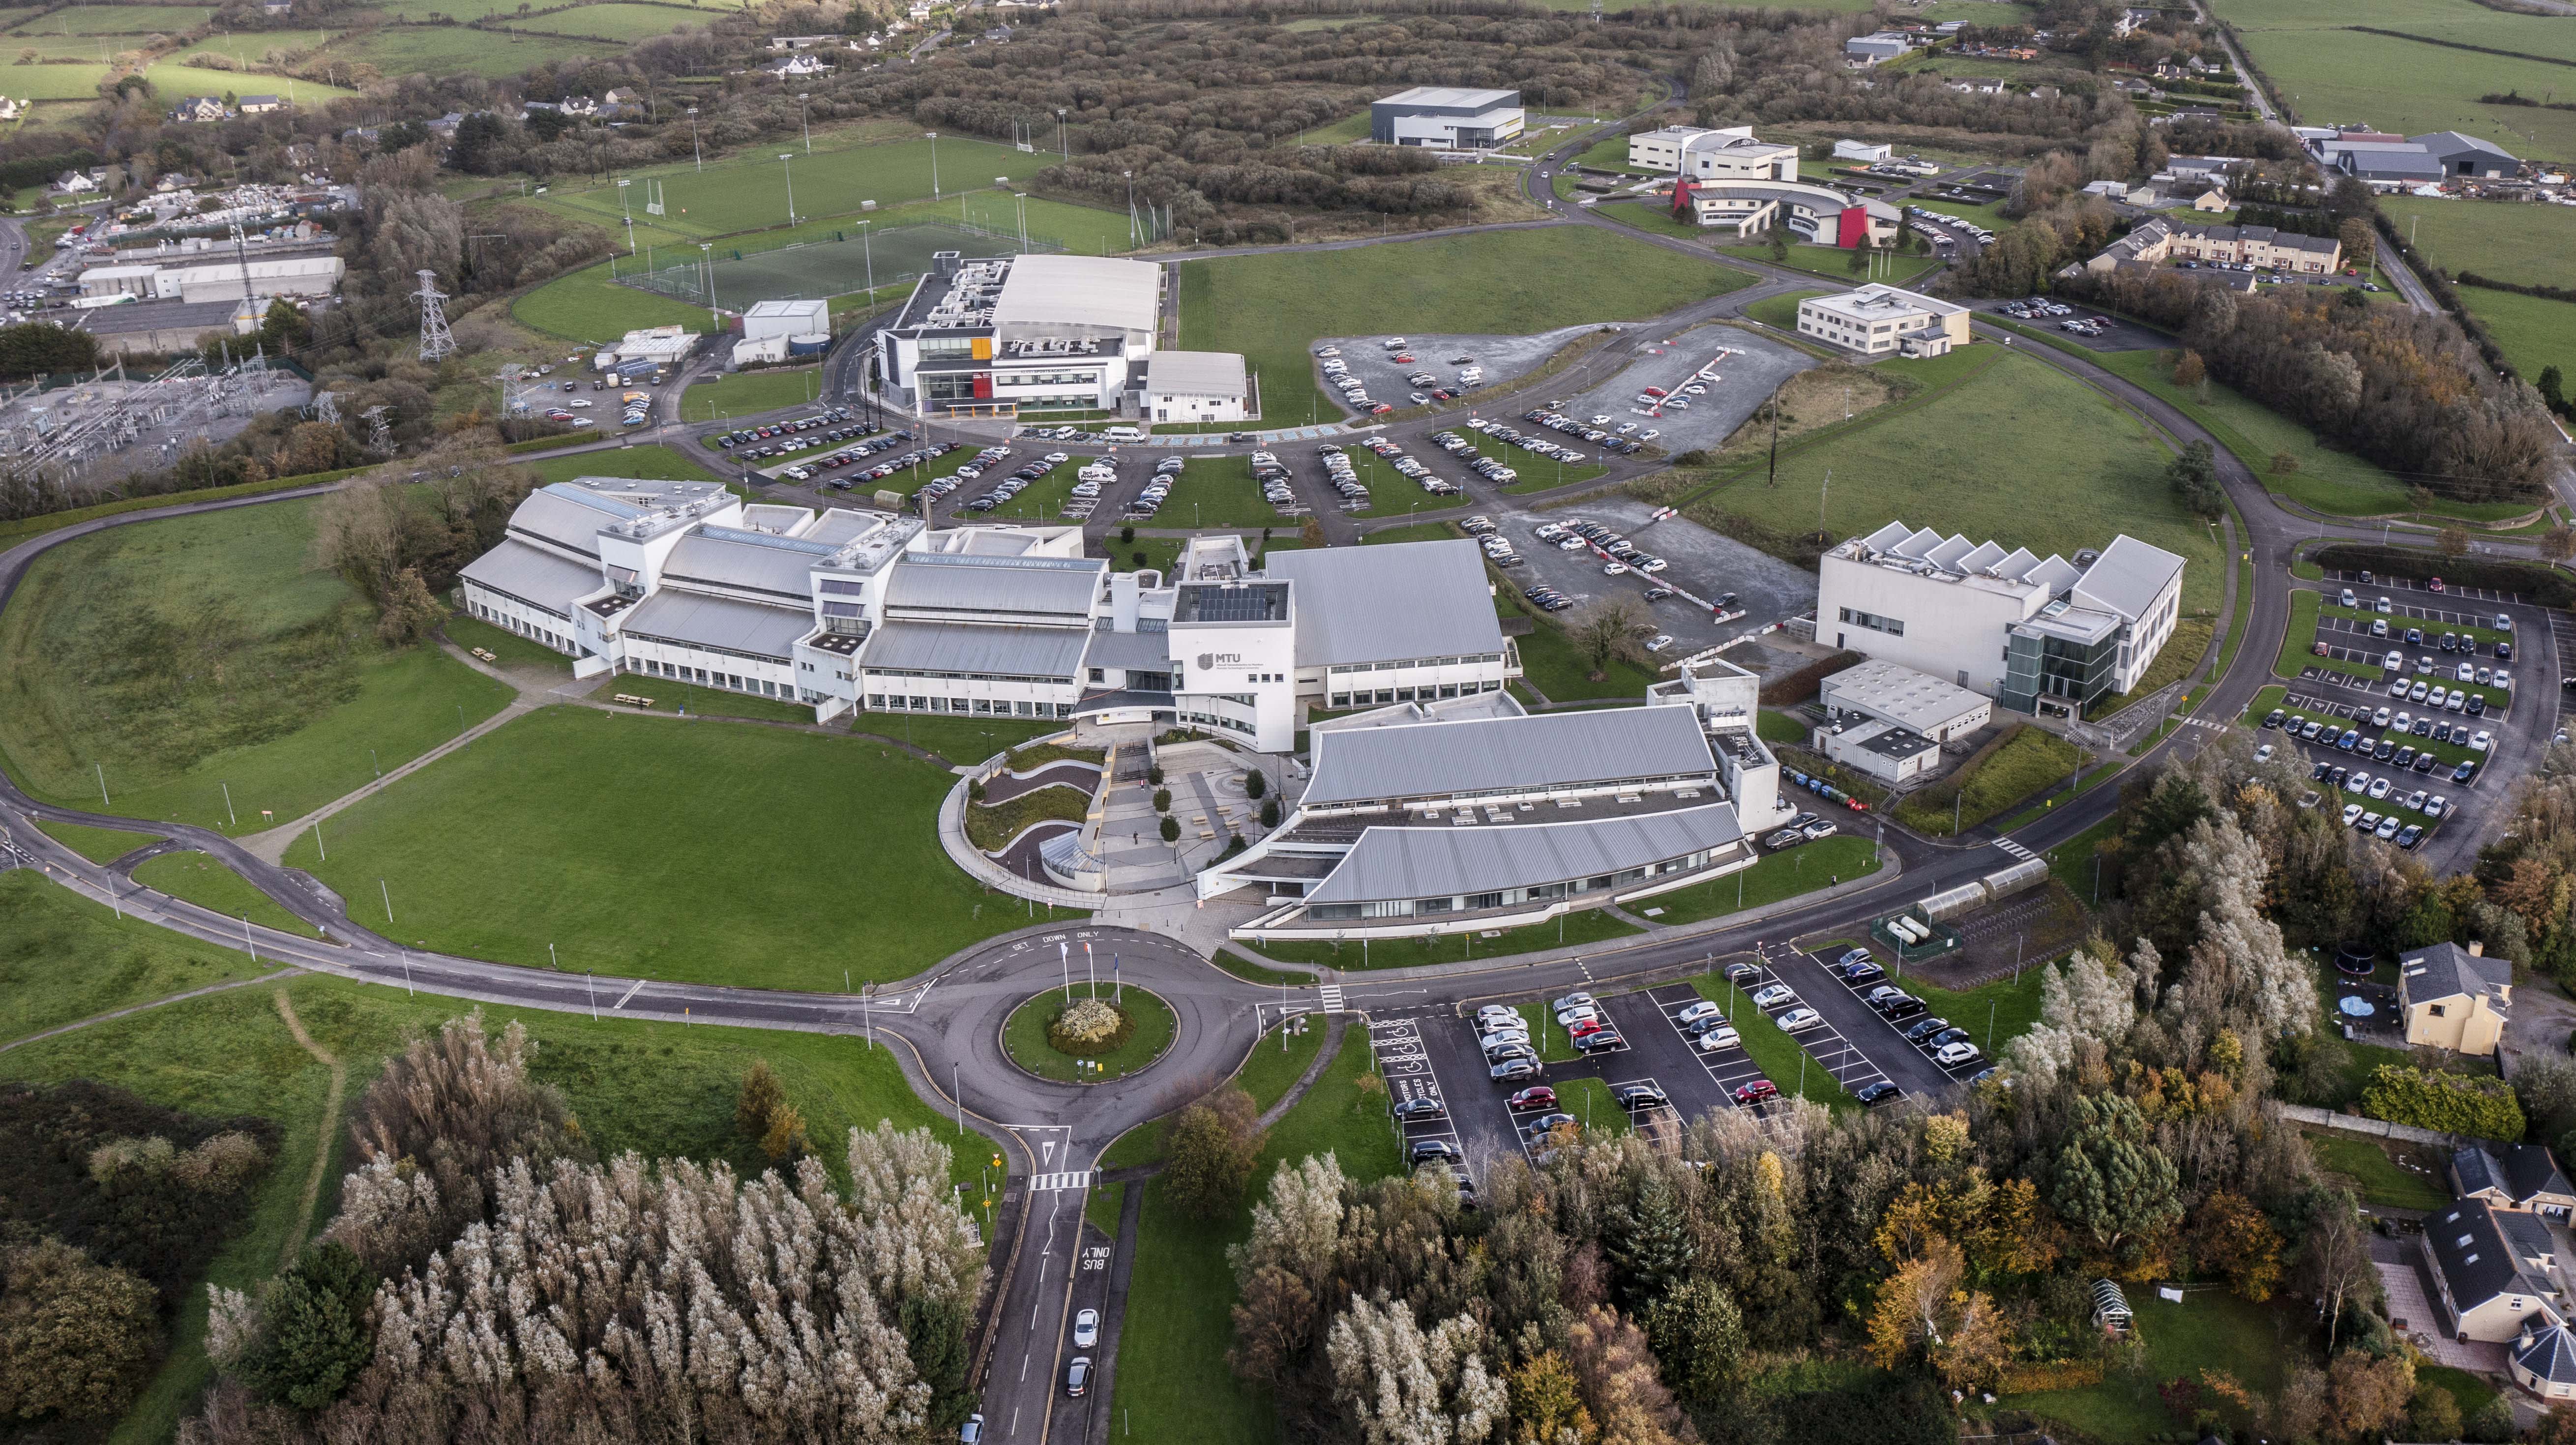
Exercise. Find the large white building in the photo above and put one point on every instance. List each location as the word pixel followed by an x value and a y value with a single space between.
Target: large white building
pixel 1703 154
pixel 1442 818
pixel 987 337
pixel 2001 622
pixel 1881 320
pixel 1447 117
pixel 862 610
pixel 217 280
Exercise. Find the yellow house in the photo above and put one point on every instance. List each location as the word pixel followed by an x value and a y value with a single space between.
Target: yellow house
pixel 2455 998
pixel 2213 199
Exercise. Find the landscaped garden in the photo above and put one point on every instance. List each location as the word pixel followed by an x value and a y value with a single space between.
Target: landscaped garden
pixel 1088 1032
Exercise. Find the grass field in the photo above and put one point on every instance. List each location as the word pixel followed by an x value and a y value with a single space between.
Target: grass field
pixel 1997 1013
pixel 2327 71
pixel 1172 1380
pixel 752 391
pixel 1024 1035
pixel 1272 308
pixel 98 845
pixel 653 462
pixel 56 82
pixel 1778 875
pixel 209 884
pixel 2333 482
pixel 63 959
pixel 510 647
pixel 2084 470
pixel 1778 1055
pixel 2534 331
pixel 170 82
pixel 1653 216
pixel 1780 311
pixel 1835 262
pixel 252 49
pixel 2375 1176
pixel 511 844
pixel 122 19
pixel 727 196
pixel 400 50
pixel 2520 243
pixel 2210 1330
pixel 657 1089
pixel 1349 130
pixel 1551 663
pixel 624 24
pixel 191 654
pixel 1570 930
pixel 2031 759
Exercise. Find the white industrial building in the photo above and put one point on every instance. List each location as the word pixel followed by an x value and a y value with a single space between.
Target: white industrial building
pixel 1732 153
pixel 1196 386
pixel 847 610
pixel 217 281
pixel 1890 721
pixel 797 318
pixel 1444 117
pixel 1446 818
pixel 654 346
pixel 1879 320
pixel 1866 152
pixel 2002 622
pixel 988 337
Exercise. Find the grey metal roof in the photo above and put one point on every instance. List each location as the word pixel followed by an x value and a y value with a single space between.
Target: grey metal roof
pixel 1447 861
pixel 1195 373
pixel 694 619
pixel 1146 651
pixel 533 574
pixel 2446 970
pixel 1001 586
pixel 722 557
pixel 1452 97
pixel 2128 577
pixel 2451 142
pixel 2551 1355
pixel 1078 293
pixel 1390 603
pixel 984 649
pixel 566 520
pixel 1484 755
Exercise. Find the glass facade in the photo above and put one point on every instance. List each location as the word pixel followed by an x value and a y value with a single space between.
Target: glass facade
pixel 2038 665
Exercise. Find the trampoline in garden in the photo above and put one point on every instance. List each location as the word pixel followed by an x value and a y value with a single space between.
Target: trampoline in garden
pixel 839 264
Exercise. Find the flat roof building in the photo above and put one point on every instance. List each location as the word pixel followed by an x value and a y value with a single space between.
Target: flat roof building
pixel 1443 117
pixel 1919 702
pixel 767 319
pixel 1881 320
pixel 1731 153
pixel 1196 386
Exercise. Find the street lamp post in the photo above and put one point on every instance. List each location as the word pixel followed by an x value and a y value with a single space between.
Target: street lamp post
pixel 801 121
pixel 696 150
pixel 707 261
pixel 784 169
pixel 934 163
pixel 1061 143
pixel 867 248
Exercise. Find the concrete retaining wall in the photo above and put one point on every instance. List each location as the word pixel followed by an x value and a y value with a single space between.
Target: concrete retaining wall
pixel 2355 1124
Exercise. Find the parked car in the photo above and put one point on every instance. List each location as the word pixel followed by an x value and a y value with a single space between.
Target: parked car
pixel 1774 996
pixel 1953 1055
pixel 1541 1097
pixel 1723 1036
pixel 1872 1095
pixel 1757 1092
pixel 1799 1020
pixel 1086 1329
pixel 1423 1151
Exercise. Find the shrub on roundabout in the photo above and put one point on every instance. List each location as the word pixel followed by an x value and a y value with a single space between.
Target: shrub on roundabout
pixel 1090 1027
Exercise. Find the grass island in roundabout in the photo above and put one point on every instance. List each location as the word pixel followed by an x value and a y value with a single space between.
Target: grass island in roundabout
pixel 1089 1033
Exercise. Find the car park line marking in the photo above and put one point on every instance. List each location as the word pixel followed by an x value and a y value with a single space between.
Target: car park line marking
pixel 630 993
pixel 1729 1068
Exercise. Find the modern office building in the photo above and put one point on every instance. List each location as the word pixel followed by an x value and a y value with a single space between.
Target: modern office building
pixel 1444 117
pixel 1434 823
pixel 1196 386
pixel 2025 631
pixel 863 610
pixel 987 337
pixel 1722 155
pixel 1881 320
pixel 1916 701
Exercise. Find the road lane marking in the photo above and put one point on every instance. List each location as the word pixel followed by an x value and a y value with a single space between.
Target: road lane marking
pixel 630 993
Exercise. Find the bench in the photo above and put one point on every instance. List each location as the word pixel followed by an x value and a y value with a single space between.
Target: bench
pixel 485 654
pixel 631 700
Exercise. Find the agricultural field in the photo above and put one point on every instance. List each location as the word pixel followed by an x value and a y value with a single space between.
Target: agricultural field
pixel 185 656
pixel 624 24
pixel 2331 73
pixel 2087 470
pixel 2524 244
pixel 2535 332
pixel 399 50
pixel 170 82
pixel 53 82
pixel 121 20
pixel 1349 130
pixel 251 49
pixel 1272 308
pixel 510 844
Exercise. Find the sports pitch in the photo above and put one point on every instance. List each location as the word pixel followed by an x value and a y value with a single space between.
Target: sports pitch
pixel 741 195
pixel 839 265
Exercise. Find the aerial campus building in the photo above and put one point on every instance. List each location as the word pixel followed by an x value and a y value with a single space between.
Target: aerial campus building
pixel 988 337
pixel 1444 117
pixel 1737 183
pixel 848 610
pixel 1879 320
pixel 2027 633
pixel 1461 816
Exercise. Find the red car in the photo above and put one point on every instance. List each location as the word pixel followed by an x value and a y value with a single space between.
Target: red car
pixel 1403 359
pixel 1759 1091
pixel 1539 1097
pixel 1581 1027
pixel 2435 584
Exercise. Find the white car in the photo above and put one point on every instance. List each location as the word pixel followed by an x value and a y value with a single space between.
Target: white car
pixel 1614 569
pixel 2405 723
pixel 2378 788
pixel 1774 996
pixel 1569 1003
pixel 2436 805
pixel 1705 1008
pixel 2263 754
pixel 1951 1056
pixel 1799 1020
pixel 1086 1329
pixel 1659 642
pixel 2415 800
pixel 2504 678
pixel 2357 782
pixel 2351 814
pixel 579 402
pixel 1722 1037
pixel 2481 740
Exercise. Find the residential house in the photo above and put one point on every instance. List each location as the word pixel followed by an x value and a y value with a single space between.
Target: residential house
pixel 276 8
pixel 2488 1289
pixel 200 109
pixel 2520 1177
pixel 1863 51
pixel 2266 248
pixel 2130 20
pixel 806 42
pixel 2544 1362
pixel 798 64
pixel 2213 199
pixel 2455 998
pixel 447 124
pixel 2144 246
pixel 260 104
pixel 74 183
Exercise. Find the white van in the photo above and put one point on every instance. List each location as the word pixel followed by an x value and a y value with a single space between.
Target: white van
pixel 1124 434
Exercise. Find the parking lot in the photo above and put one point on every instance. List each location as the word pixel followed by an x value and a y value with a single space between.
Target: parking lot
pixel 2116 334
pixel 1504 358
pixel 1704 564
pixel 1752 368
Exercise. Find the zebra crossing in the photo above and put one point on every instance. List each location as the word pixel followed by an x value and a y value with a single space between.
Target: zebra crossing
pixel 1330 997
pixel 1050 1183
pixel 2018 853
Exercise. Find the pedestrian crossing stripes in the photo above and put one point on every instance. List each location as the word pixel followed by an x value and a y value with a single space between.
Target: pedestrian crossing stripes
pixel 1048 1183
pixel 1330 996
pixel 2015 849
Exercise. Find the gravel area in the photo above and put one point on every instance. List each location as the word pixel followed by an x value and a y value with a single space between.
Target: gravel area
pixel 1704 564
pixel 1746 379
pixel 1503 357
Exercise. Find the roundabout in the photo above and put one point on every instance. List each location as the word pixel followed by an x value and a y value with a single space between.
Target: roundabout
pixel 1087 1034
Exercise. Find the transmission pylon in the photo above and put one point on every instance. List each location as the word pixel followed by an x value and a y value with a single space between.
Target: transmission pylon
pixel 435 342
pixel 380 433
pixel 326 407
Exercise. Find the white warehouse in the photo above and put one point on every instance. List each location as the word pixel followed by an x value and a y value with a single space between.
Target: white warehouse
pixel 2021 630
pixel 1445 117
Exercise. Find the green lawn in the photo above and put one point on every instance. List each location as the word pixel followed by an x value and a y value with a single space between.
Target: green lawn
pixel 98 845
pixel 513 650
pixel 1778 875
pixel 2071 862
pixel 1981 1010
pixel 1268 1072
pixel 173 81
pixel 1779 727
pixel 1273 308
pixel 399 50
pixel 2031 759
pixel 1654 216
pixel 1024 1035
pixel 2082 469
pixel 1349 130
pixel 654 463
pixel 957 739
pixel 1551 663
pixel 1835 262
pixel 1220 492
pixel 2375 1176
pixel 675 697
pixel 2300 635
pixel 1778 1055
pixel 197 653
pixel 2471 1391
pixel 2333 482
pixel 2534 331
pixel 1989 214
pixel 1172 1380
pixel 1584 925
pixel 759 856
pixel 1589 1100
pixel 731 195
pixel 2210 1330
pixel 748 392
pixel 209 884
pixel 2325 69
pixel 63 958
pixel 1780 311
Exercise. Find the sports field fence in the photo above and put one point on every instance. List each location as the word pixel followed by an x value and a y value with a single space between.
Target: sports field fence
pixel 739 274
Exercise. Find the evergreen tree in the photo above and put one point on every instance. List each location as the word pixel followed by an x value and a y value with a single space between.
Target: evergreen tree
pixel 314 1333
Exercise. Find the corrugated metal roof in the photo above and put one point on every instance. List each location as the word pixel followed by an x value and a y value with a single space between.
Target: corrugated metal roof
pixel 980 648
pixel 1148 651
pixel 2128 577
pixel 1003 586
pixel 1195 373
pixel 1446 862
pixel 564 521
pixel 533 574
pixel 1078 292
pixel 1391 603
pixel 1547 750
pixel 724 558
pixel 693 618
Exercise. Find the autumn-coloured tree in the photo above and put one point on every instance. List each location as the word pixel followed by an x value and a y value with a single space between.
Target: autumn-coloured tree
pixel 1547 1408
pixel 2231 1237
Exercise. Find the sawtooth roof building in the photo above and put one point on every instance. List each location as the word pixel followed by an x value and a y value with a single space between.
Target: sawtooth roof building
pixel 848 610
pixel 1461 816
